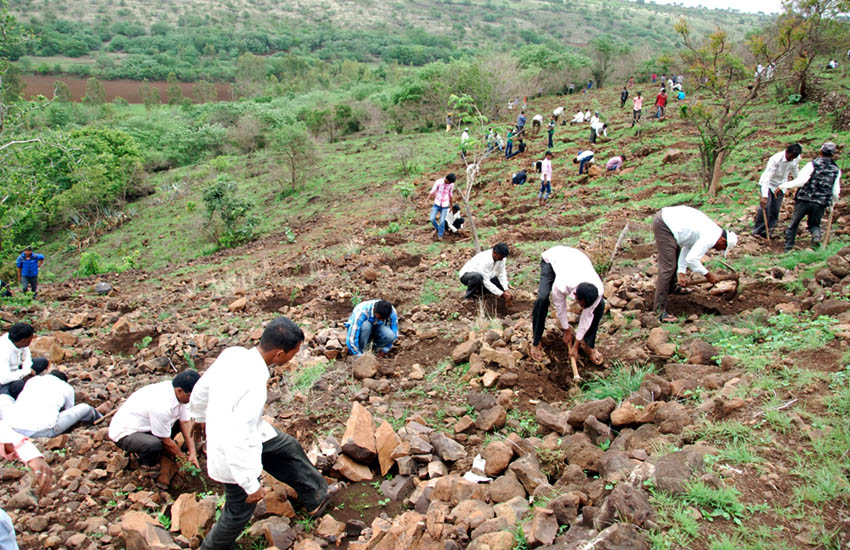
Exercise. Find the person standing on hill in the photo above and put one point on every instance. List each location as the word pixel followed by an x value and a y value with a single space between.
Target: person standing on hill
pixel 624 95
pixel 441 192
pixel 660 104
pixel 520 123
pixel 551 132
pixel 565 273
pixel 683 235
pixel 637 105
pixel 28 265
pixel 820 184
pixel 779 167
pixel 545 179
pixel 509 146
pixel 486 273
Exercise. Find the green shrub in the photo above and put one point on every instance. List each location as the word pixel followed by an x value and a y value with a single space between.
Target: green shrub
pixel 231 221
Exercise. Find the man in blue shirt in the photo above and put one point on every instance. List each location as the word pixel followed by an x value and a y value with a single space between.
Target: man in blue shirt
pixel 372 321
pixel 28 264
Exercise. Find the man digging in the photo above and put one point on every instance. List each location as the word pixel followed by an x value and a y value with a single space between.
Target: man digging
pixel 779 167
pixel 683 235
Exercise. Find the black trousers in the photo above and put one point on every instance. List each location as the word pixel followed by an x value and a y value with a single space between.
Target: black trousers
pixel 146 446
pixel 475 284
pixel 814 212
pixel 541 305
pixel 39 365
pixel 285 460
pixel 590 335
pixel 458 222
pixel 774 205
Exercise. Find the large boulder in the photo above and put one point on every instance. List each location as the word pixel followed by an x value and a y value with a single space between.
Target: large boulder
pixel 365 366
pixel 700 352
pixel 659 343
pixel 627 504
pixel 497 456
pixel 552 419
pixel 358 441
pixel 674 470
pixel 463 351
pixel 447 448
pixel 528 471
pixel 491 419
pixel 600 408
pixel 386 441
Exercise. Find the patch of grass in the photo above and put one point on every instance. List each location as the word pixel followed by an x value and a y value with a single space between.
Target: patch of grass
pixel 715 503
pixel 526 423
pixel 619 382
pixel 307 376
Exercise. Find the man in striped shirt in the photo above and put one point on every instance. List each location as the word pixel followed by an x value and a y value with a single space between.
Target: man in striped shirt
pixel 374 321
pixel 441 192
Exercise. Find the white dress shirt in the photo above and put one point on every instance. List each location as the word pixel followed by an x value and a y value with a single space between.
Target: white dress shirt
pixel 572 267
pixel 6 404
pixel 776 172
pixel 579 117
pixel 587 116
pixel 695 233
pixel 450 220
pixel 15 362
pixel 804 176
pixel 153 408
pixel 599 128
pixel 593 120
pixel 39 404
pixel 538 118
pixel 483 263
pixel 230 397
pixel 559 111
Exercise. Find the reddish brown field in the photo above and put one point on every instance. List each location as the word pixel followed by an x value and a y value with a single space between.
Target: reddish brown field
pixel 128 89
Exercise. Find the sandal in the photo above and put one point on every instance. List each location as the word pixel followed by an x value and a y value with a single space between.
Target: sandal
pixel 667 318
pixel 682 290
pixel 332 490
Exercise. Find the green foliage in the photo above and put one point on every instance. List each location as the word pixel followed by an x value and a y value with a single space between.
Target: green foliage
pixel 95 92
pixel 605 51
pixel 143 343
pixel 299 152
pixel 619 382
pixel 405 189
pixel 230 218
pixel 306 377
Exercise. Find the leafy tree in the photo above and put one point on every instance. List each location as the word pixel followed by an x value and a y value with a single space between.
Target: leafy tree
pixel 298 150
pixel 61 93
pixel 250 75
pixel 605 50
pixel 95 92
pixel 230 220
pixel 718 71
pixel 204 92
pixel 173 93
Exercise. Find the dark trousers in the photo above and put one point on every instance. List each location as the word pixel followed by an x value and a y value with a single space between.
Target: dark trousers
pixel 541 305
pixel 475 284
pixel 551 143
pixel 774 205
pixel 590 335
pixel 458 223
pixel 592 135
pixel 144 445
pixel 508 150
pixel 39 365
pixel 668 259
pixel 29 282
pixel 285 460
pixel 635 116
pixel 814 212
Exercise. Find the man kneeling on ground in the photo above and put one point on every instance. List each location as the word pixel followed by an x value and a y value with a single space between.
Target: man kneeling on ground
pixel 147 422
pixel 372 322
pixel 16 361
pixel 485 273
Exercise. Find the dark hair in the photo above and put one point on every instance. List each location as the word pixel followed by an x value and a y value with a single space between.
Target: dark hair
pixel 186 380
pixel 587 293
pixel 623 157
pixel 383 309
pixel 501 249
pixel 20 331
pixel 451 178
pixel 60 375
pixel 548 154
pixel 281 333
pixel 795 149
pixel 27 248
pixel 455 208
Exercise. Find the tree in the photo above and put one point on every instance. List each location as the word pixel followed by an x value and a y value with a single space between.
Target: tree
pixel 604 51
pixel 95 92
pixel 250 75
pixel 204 92
pixel 230 220
pixel 173 93
pixel 61 93
pixel 298 150
pixel 718 72
pixel 819 26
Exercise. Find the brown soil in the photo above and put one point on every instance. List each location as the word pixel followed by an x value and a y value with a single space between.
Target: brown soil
pixel 699 302
pixel 125 344
pixel 130 90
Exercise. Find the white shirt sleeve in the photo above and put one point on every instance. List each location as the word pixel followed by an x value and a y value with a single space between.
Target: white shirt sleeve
pixel 5 363
pixel 244 455
pixel 197 408
pixel 68 392
pixel 801 178
pixel 503 274
pixel 560 299
pixel 693 256
pixel 836 188
pixel 767 176
pixel 488 273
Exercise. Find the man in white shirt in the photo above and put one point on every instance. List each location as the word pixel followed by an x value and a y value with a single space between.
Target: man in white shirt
pixel 583 158
pixel 454 221
pixel 485 273
pixel 45 407
pixel 229 400
pixel 16 361
pixel 779 167
pixel 148 420
pixel 536 123
pixel 565 273
pixel 683 235
pixel 14 444
pixel 578 118
pixel 597 129
pixel 820 184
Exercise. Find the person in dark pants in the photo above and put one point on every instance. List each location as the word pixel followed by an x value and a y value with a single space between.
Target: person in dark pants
pixel 228 403
pixel 624 95
pixel 485 273
pixel 565 273
pixel 551 132
pixel 683 235
pixel 28 265
pixel 16 361
pixel 146 423
pixel 519 178
pixel 454 221
pixel 820 183
pixel 779 167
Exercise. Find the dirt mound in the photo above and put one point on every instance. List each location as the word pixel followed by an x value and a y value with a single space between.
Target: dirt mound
pixel 699 302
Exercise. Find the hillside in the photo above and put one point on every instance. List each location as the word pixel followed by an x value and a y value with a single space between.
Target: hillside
pixel 193 38
pixel 752 394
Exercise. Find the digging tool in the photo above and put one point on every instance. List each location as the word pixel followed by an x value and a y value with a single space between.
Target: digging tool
pixel 576 377
pixel 828 226
pixel 766 226
pixel 616 249
pixel 732 276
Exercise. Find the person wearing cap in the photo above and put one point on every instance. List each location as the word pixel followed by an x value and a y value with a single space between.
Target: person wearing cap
pixel 565 273
pixel 486 273
pixel 228 403
pixel 441 192
pixel 146 423
pixel 16 362
pixel 779 167
pixel 683 235
pixel 820 183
